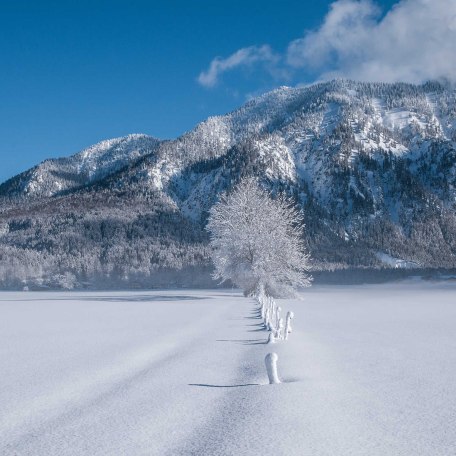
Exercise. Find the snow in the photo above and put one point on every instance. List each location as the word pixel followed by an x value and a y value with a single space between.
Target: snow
pixel 282 164
pixel 96 162
pixel 367 370
pixel 393 262
pixel 330 117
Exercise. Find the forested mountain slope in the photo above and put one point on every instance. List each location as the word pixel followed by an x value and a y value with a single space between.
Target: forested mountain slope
pixel 373 166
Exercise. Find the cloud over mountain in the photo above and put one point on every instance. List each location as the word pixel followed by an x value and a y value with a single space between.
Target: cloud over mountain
pixel 412 42
pixel 244 57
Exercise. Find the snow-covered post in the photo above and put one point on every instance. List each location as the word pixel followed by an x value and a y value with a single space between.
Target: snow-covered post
pixel 278 310
pixel 271 338
pixel 279 329
pixel 271 366
pixel 263 308
pixel 288 329
pixel 271 314
pixel 267 320
pixel 260 295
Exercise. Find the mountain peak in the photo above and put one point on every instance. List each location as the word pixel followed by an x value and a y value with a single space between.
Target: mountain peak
pixel 53 176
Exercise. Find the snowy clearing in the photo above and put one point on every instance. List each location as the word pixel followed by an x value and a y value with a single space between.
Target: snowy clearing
pixel 367 370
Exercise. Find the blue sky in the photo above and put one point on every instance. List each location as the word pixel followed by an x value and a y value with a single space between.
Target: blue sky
pixel 76 72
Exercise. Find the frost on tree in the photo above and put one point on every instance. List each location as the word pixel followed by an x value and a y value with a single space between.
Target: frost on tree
pixel 257 241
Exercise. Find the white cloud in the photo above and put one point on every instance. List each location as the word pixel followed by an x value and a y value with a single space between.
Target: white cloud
pixel 414 41
pixel 243 57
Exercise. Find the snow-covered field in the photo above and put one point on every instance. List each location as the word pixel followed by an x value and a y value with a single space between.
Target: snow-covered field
pixel 368 370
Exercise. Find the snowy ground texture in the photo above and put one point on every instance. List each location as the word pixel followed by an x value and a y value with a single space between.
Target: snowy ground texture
pixel 368 370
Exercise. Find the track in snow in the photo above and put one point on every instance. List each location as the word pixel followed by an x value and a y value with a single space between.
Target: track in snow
pixel 367 370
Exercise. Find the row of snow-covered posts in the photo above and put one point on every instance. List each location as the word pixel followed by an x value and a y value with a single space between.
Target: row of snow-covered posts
pixel 271 315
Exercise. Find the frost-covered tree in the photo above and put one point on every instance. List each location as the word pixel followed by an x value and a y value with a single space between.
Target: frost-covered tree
pixel 257 241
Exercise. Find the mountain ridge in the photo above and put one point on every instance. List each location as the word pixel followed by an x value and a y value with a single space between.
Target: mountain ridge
pixel 372 165
pixel 84 167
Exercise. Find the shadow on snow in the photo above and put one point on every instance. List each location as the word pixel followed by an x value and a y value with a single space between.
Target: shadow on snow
pixel 223 386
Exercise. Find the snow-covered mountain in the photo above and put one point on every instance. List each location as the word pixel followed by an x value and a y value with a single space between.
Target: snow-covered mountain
pixel 55 176
pixel 372 165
